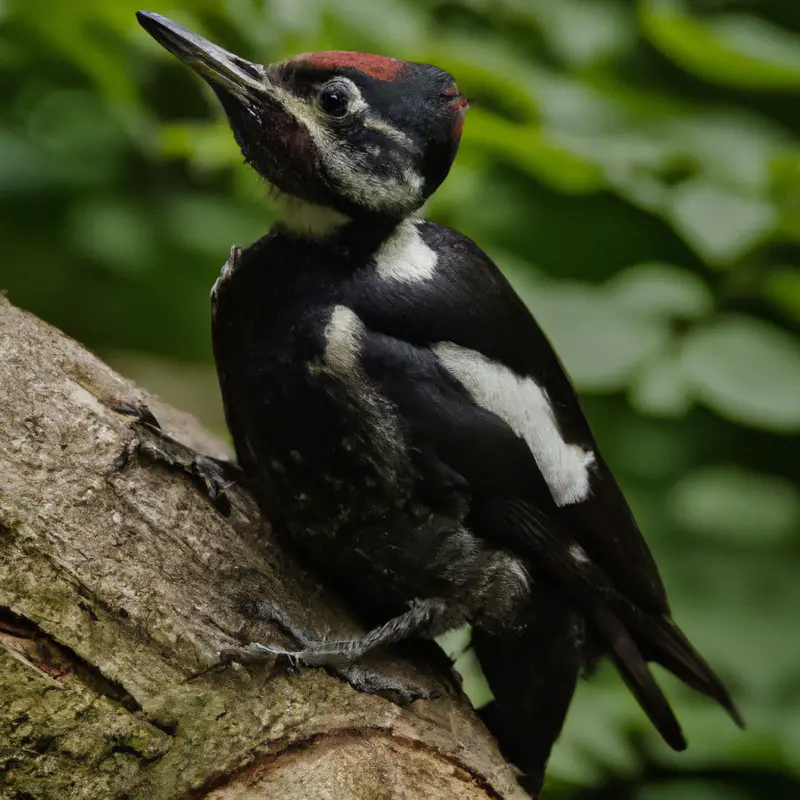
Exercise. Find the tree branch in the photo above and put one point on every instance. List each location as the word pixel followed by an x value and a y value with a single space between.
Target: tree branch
pixel 116 587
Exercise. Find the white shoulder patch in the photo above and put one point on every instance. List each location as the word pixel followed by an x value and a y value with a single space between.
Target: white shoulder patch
pixel 404 256
pixel 379 437
pixel 522 404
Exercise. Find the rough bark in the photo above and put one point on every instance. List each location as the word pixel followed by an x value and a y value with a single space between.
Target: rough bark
pixel 116 587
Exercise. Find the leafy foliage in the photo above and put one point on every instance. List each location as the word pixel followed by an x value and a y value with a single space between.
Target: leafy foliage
pixel 635 169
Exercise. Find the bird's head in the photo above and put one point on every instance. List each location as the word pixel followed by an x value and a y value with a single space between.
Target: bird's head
pixel 353 134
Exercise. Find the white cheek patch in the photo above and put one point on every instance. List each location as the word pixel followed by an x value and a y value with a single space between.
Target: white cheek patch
pixel 404 256
pixel 356 177
pixel 524 407
pixel 350 168
pixel 389 131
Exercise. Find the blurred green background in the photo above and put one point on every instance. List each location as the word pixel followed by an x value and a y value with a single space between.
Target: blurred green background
pixel 635 169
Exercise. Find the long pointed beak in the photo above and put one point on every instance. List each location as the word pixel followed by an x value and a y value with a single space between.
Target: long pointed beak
pixel 218 67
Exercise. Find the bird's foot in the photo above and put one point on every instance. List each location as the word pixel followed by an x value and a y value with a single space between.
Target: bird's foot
pixel 399 691
pixel 338 657
pixel 214 477
pixel 364 679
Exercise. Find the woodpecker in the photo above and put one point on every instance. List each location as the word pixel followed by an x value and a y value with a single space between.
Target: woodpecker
pixel 400 415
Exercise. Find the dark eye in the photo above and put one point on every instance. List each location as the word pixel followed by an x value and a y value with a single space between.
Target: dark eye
pixel 334 99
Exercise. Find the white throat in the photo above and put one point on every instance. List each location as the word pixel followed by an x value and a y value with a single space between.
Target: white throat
pixel 307 219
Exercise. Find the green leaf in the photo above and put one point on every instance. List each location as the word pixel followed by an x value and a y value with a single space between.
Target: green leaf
pixel 691 790
pixel 61 30
pixel 659 387
pixel 474 682
pixel 731 148
pixel 399 25
pixel 715 743
pixel 734 50
pixel 785 189
pixel 455 642
pixel 731 504
pixel 208 145
pixel 632 163
pixel 532 151
pixel 209 225
pixel 581 33
pixel 661 290
pixel 649 451
pixel 746 370
pixel 721 596
pixel 115 235
pixel 597 729
pixel 289 17
pixel 719 225
pixel 22 166
pixel 600 345
pixel 783 288
pixel 789 728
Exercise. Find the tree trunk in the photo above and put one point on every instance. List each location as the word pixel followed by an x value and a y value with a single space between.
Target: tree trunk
pixel 117 586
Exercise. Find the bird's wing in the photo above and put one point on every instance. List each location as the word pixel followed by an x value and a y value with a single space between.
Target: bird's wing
pixel 507 490
pixel 481 386
pixel 511 501
pixel 451 434
pixel 484 338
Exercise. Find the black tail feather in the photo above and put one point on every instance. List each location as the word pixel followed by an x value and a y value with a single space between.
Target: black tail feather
pixel 636 674
pixel 667 645
pixel 630 635
pixel 532 674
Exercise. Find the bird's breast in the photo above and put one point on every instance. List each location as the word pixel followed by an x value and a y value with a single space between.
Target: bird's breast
pixel 304 415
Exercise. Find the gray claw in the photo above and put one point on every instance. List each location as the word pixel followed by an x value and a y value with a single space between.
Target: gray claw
pixel 212 476
pixel 361 678
pixel 395 690
pixel 140 412
pixel 254 653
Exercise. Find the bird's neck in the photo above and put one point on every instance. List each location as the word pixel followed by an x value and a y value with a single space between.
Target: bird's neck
pixel 322 226
pixel 308 220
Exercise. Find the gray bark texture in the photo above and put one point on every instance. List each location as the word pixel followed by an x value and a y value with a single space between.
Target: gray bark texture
pixel 118 586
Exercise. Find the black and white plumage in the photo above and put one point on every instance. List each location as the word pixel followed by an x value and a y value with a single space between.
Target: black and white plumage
pixel 400 414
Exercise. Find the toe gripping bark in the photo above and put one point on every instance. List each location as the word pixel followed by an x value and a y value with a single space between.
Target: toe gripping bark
pixel 342 658
pixel 212 476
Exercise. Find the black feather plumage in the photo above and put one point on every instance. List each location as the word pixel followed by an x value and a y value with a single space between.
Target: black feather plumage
pixel 269 323
pixel 399 413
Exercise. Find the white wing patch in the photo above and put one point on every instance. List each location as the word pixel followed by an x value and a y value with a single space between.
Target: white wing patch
pixel 522 404
pixel 404 256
